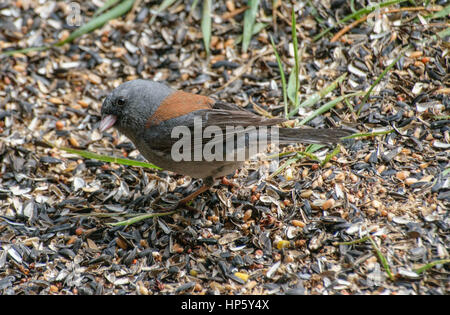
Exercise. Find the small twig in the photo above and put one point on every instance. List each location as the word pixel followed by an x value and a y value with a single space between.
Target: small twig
pixel 229 15
pixel 359 21
pixel 131 15
pixel 348 28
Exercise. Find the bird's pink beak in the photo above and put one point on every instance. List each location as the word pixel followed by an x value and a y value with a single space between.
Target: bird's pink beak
pixel 107 122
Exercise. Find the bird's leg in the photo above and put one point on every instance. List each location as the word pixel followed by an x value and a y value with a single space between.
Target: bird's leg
pixel 207 184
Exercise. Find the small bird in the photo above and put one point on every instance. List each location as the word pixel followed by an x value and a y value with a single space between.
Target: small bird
pixel 149 112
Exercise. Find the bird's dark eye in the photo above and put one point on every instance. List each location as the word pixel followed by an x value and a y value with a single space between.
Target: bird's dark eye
pixel 121 101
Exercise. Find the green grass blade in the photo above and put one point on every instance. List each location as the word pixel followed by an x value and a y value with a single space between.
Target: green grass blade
pixel 445 12
pixel 193 6
pixel 164 5
pixel 358 14
pixel 441 117
pixel 327 106
pixel 313 99
pixel 313 147
pixel 315 13
pixel 349 106
pixel 258 27
pixel 93 24
pixel 283 78
pixel 330 155
pixel 361 240
pixel 249 21
pixel 299 154
pixel 444 33
pixel 296 69
pixel 302 153
pixel 363 11
pixel 369 134
pixel 292 92
pixel 108 4
pixel 309 155
pixel 332 86
pixel 431 265
pixel 380 255
pixel 103 158
pixel 383 259
pixel 352 6
pixel 206 24
pixel 286 164
pixel 142 217
pixel 100 214
pixel 25 50
pixel 98 21
pixel 446 171
pixel 366 97
pixel 377 250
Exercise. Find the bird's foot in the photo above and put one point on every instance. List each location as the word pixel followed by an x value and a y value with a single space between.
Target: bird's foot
pixel 184 203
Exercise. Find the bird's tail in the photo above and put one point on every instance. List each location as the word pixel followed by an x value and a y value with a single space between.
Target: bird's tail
pixel 323 136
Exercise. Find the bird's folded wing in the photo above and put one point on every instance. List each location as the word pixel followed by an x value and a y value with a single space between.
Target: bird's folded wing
pixel 231 122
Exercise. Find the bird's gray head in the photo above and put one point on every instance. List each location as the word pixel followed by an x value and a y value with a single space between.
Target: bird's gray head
pixel 130 105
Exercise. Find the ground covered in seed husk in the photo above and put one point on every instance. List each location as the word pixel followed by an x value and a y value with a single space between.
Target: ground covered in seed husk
pixel 256 232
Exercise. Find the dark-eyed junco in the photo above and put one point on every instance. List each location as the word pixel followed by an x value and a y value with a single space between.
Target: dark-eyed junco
pixel 150 113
